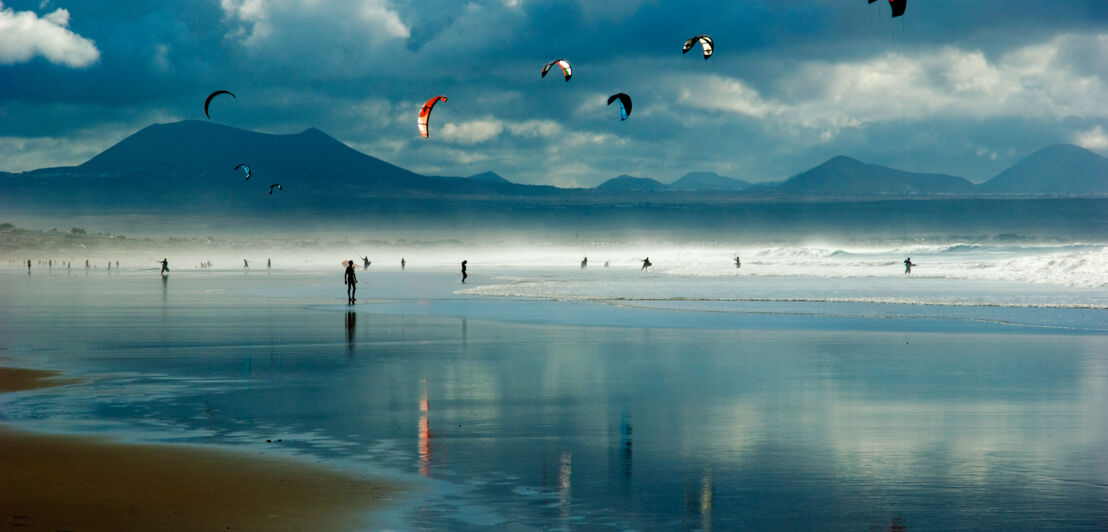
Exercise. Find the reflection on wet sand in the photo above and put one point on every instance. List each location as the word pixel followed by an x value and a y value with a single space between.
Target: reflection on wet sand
pixel 424 433
pixel 699 498
pixel 565 484
pixel 351 323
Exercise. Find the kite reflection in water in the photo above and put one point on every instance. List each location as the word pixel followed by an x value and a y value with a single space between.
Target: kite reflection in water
pixel 424 433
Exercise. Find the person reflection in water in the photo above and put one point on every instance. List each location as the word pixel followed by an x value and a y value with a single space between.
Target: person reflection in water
pixel 351 281
pixel 351 321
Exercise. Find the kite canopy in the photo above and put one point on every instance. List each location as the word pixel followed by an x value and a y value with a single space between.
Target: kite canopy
pixel 245 169
pixel 898 7
pixel 705 42
pixel 209 100
pixel 567 70
pixel 624 104
pixel 275 185
pixel 425 114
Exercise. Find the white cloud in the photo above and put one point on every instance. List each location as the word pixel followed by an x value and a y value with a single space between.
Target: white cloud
pixel 1093 139
pixel 23 36
pixel 1040 81
pixel 717 93
pixel 263 22
pixel 535 128
pixel 472 132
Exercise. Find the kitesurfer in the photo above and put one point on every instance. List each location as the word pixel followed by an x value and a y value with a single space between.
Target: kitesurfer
pixel 646 264
pixel 165 265
pixel 908 265
pixel 351 281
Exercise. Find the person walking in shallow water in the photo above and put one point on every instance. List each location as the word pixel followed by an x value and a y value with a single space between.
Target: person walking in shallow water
pixel 351 281
pixel 165 265
pixel 365 263
pixel 464 275
pixel 908 265
pixel 403 263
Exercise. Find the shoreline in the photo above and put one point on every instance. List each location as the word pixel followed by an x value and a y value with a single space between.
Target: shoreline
pixel 91 483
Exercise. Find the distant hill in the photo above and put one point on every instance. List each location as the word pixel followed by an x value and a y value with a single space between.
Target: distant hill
pixel 190 164
pixel 629 183
pixel 843 176
pixel 1056 169
pixel 707 182
pixel 488 177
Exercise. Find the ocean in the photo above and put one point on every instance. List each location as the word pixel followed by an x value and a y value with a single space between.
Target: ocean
pixel 815 387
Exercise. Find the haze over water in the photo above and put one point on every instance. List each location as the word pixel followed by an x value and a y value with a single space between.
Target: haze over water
pixel 543 395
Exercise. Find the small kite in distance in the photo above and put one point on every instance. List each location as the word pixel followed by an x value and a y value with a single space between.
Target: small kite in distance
pixel 245 169
pixel 273 186
pixel 898 6
pixel 425 115
pixel 567 70
pixel 209 100
pixel 624 104
pixel 706 43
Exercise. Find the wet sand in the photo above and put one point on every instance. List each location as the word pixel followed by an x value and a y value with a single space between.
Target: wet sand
pixel 84 483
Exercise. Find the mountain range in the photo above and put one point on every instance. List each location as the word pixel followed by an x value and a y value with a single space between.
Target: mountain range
pixel 191 164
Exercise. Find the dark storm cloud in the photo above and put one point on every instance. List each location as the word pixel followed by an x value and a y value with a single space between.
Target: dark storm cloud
pixel 958 87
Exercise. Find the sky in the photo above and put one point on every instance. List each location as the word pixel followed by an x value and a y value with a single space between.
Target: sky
pixel 964 87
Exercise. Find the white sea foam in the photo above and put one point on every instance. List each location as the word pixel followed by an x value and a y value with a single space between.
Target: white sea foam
pixel 1063 276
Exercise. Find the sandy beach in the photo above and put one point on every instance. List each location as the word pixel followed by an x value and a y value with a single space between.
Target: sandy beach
pixel 89 483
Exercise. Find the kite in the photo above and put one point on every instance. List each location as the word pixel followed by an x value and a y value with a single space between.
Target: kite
pixel 624 104
pixel 275 185
pixel 705 42
pixel 209 100
pixel 245 169
pixel 425 114
pixel 898 6
pixel 567 70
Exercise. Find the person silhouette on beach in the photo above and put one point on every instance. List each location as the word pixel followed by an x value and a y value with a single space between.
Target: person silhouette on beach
pixel 464 275
pixel 28 265
pixel 403 263
pixel 245 265
pixel 365 263
pixel 738 263
pixel 606 264
pixel 165 265
pixel 351 281
pixel 584 263
pixel 908 265
pixel 646 264
pixel 268 263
